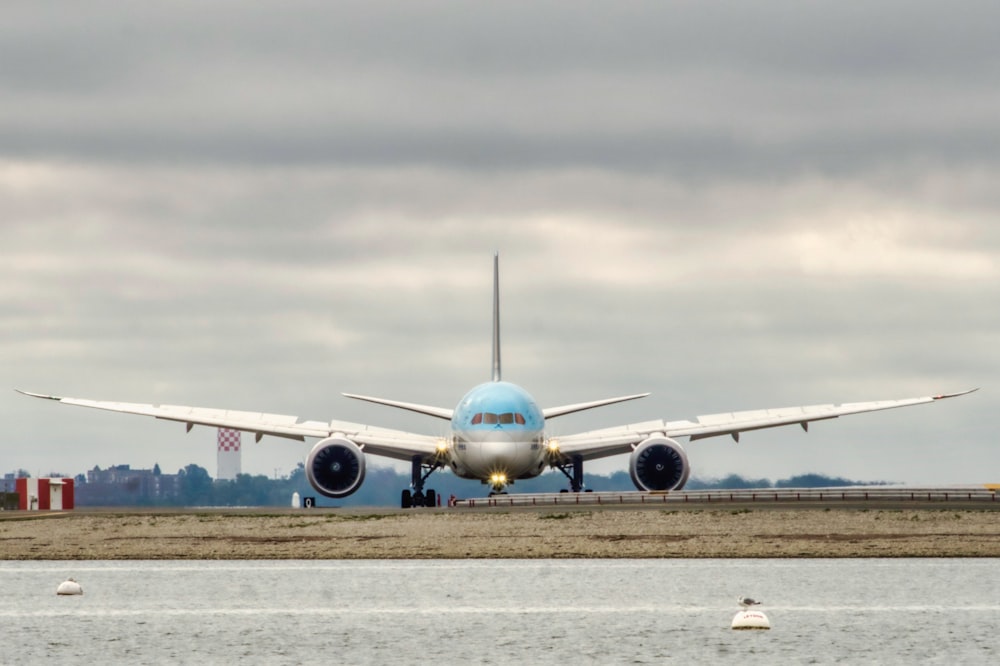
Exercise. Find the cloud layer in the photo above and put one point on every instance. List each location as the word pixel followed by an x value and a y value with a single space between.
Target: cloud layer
pixel 260 207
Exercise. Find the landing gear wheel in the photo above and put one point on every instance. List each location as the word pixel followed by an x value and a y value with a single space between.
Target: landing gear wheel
pixel 431 498
pixel 407 500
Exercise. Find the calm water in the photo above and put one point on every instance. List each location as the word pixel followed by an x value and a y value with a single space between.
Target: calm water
pixel 447 612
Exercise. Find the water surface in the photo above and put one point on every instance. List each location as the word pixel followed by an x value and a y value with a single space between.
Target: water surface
pixel 501 611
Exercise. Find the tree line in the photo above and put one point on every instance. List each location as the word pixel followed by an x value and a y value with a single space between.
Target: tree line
pixel 383 485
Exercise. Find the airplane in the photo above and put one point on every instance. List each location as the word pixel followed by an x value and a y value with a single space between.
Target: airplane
pixel 497 435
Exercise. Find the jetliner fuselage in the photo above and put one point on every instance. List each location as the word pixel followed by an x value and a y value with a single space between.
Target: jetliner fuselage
pixel 497 435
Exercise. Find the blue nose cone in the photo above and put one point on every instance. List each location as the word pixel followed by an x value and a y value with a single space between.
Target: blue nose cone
pixel 497 405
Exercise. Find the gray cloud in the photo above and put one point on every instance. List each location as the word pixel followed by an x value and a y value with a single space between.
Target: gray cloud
pixel 688 90
pixel 730 207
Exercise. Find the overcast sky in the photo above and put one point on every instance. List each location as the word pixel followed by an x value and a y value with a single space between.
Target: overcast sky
pixel 260 205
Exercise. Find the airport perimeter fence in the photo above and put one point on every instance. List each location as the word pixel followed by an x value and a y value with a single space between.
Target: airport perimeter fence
pixel 985 494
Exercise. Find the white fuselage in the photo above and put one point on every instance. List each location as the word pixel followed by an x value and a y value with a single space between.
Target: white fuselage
pixel 497 435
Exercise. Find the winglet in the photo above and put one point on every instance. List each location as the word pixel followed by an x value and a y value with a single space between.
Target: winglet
pixel 496 316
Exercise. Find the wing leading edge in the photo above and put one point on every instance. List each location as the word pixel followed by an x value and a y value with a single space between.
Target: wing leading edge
pixel 621 439
pixel 386 442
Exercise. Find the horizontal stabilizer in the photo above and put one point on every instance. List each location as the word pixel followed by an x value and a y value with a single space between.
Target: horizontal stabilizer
pixel 439 412
pixel 552 412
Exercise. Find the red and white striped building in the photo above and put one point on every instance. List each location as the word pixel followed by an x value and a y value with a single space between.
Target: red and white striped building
pixel 45 494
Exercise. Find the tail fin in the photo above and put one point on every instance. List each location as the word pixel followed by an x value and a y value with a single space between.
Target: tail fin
pixel 496 316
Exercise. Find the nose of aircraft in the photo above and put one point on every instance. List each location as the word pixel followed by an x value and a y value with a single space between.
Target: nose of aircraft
pixel 504 454
pixel 499 455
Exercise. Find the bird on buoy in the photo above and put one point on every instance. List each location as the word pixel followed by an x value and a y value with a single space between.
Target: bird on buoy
pixel 69 586
pixel 750 619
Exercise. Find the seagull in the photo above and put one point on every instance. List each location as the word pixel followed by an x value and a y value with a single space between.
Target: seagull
pixel 747 602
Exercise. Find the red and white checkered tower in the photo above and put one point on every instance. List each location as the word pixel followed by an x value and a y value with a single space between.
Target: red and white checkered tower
pixel 229 454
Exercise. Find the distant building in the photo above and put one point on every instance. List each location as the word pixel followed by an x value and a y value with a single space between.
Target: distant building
pixel 120 484
pixel 229 453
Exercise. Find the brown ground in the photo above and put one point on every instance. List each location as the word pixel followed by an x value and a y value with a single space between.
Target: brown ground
pixel 459 533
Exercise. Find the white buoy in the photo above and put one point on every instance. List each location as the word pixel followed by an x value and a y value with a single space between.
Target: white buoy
pixel 296 502
pixel 69 586
pixel 751 619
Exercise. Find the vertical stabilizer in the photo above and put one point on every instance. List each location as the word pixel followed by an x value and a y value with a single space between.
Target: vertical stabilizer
pixel 496 316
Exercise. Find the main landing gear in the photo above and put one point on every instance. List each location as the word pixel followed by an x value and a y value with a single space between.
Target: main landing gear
pixel 419 471
pixel 573 469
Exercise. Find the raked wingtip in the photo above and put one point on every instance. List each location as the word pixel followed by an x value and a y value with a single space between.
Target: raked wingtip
pixel 37 395
pixel 955 395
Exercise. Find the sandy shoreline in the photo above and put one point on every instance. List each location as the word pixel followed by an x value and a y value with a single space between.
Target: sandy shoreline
pixel 737 532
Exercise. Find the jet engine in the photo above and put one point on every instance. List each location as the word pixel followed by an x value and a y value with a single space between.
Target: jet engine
pixel 335 467
pixel 659 463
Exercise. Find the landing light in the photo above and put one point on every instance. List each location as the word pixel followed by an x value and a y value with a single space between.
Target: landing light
pixel 442 446
pixel 498 479
pixel 553 446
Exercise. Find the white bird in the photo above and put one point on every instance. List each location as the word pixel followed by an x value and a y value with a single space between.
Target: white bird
pixel 747 602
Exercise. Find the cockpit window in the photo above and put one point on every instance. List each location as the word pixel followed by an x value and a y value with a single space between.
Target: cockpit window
pixel 503 419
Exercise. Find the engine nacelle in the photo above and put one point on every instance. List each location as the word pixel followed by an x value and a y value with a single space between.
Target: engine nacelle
pixel 335 467
pixel 659 463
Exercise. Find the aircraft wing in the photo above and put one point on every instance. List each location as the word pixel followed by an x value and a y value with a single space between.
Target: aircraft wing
pixel 378 441
pixel 613 441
